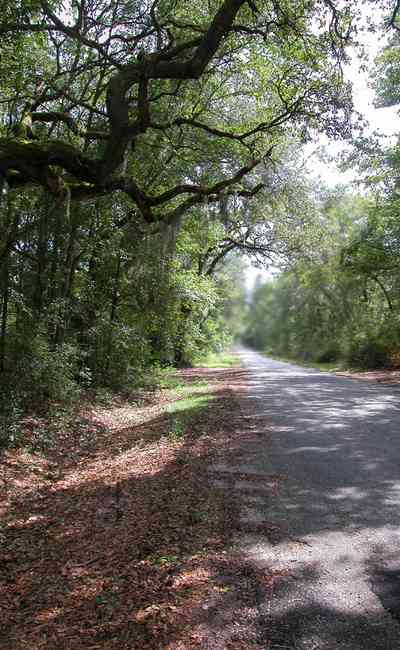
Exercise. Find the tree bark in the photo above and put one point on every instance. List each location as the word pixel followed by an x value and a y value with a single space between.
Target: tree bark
pixel 113 311
pixel 4 315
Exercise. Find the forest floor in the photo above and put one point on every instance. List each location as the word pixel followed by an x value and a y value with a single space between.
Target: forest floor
pixel 115 533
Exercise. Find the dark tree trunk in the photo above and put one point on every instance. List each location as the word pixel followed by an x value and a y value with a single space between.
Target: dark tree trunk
pixel 41 262
pixel 113 311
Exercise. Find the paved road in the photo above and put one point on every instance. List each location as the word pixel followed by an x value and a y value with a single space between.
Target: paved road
pixel 337 444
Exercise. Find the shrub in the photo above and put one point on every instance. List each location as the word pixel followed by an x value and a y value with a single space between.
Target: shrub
pixel 10 414
pixel 368 352
pixel 117 358
pixel 47 372
pixel 329 354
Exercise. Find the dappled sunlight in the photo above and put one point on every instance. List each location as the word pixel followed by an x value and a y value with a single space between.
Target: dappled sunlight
pixel 336 444
pixel 118 539
pixel 348 493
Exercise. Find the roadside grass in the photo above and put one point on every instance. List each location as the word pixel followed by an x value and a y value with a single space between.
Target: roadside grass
pixel 219 360
pixel 184 412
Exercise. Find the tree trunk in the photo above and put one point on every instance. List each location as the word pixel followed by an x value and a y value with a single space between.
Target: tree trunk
pixel 4 314
pixel 113 311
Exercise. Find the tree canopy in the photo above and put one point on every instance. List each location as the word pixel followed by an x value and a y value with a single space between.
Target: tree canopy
pixel 144 148
pixel 165 102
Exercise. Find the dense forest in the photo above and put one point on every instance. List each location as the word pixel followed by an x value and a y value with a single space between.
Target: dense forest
pixel 155 156
pixel 336 296
pixel 146 150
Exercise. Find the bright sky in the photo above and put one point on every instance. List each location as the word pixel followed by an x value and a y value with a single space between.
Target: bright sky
pixel 385 120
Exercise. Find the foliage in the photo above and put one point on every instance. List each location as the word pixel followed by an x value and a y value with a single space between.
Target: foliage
pixel 179 106
pixel 84 305
pixel 219 360
pixel 340 298
pixel 144 148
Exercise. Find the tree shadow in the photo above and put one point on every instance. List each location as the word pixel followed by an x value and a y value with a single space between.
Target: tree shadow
pixel 335 445
pixel 337 441
pixel 114 553
pixel 92 567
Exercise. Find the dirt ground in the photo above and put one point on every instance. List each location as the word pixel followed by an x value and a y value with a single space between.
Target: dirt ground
pixel 390 376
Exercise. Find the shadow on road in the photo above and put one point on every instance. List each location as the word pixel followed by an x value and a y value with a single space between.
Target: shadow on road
pixel 336 442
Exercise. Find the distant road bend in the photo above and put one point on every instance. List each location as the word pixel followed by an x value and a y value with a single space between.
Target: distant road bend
pixel 336 441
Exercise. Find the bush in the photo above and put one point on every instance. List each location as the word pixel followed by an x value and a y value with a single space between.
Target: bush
pixel 368 352
pixel 10 414
pixel 117 358
pixel 330 354
pixel 47 372
pixel 394 358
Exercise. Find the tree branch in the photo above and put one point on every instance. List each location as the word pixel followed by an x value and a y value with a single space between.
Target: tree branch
pixel 59 116
pixel 393 18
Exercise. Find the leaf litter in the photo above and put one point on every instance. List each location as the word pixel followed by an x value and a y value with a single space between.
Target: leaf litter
pixel 113 536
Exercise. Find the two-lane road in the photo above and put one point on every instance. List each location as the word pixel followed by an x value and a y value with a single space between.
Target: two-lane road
pixel 336 442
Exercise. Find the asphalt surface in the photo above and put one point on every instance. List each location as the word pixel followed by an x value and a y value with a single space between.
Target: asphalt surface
pixel 333 445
